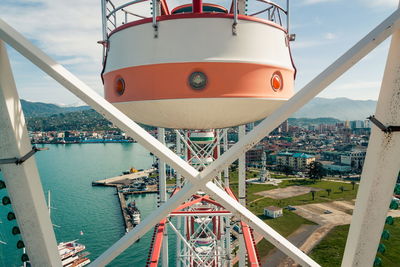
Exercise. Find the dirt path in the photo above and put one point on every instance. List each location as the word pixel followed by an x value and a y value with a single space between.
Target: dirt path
pixel 308 245
pixel 297 238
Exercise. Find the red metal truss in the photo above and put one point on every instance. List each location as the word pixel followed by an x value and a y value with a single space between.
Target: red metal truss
pixel 197 200
pixel 248 238
pixel 201 212
pixel 164 8
pixel 157 243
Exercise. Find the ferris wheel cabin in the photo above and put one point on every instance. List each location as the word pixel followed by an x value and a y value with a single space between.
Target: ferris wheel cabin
pixel 198 65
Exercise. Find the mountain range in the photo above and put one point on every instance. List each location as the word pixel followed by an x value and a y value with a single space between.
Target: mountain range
pixel 338 108
pixel 39 109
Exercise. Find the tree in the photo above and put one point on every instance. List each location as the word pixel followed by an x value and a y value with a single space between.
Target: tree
pixel 328 190
pixel 353 184
pixel 315 170
pixel 287 170
pixel 341 188
pixel 313 194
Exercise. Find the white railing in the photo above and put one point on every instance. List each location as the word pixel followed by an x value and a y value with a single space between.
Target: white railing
pixel 275 13
pixel 114 16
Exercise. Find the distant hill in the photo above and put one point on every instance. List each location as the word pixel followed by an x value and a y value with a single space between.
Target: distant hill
pixel 319 110
pixel 39 109
pixel 85 120
pixel 339 108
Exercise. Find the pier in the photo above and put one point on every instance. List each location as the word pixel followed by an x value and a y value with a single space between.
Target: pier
pixel 124 179
pixel 125 215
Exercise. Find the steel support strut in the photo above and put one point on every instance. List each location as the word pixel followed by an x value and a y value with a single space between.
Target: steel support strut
pixel 380 171
pixel 22 180
pixel 193 178
pixel 162 188
pixel 242 195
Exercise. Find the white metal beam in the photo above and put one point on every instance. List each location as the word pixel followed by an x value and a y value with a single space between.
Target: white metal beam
pixel 226 170
pixel 242 194
pixel 381 167
pixel 162 188
pixel 178 185
pixel 351 57
pixel 23 181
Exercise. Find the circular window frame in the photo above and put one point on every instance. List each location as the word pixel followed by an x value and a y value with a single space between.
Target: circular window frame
pixel 120 79
pixel 279 74
pixel 202 86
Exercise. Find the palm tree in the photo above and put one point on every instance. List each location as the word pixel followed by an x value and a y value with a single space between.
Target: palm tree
pixel 328 190
pixel 353 184
pixel 341 188
pixel 313 194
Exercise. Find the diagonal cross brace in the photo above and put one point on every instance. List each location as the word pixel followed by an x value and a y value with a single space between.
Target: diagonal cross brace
pixel 380 125
pixel 60 74
pixel 22 159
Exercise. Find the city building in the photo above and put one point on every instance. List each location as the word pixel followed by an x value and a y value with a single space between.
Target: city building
pixel 296 161
pixel 273 212
pixel 355 159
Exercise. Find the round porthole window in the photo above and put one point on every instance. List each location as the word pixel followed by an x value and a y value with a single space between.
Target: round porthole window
pixel 120 86
pixel 277 81
pixel 198 80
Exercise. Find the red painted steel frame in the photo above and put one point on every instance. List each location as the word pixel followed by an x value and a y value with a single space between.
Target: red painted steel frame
pixel 155 255
pixel 194 213
pixel 197 6
pixel 248 238
pixel 164 8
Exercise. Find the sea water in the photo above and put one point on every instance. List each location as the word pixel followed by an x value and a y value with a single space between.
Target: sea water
pixel 67 171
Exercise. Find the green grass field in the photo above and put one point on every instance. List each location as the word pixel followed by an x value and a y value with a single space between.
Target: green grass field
pixel 290 221
pixel 255 200
pixel 329 252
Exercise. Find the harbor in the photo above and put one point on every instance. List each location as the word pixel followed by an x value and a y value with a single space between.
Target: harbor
pixel 131 182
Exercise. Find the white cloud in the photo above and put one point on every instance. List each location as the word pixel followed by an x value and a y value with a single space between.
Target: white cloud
pixel 329 36
pixel 380 3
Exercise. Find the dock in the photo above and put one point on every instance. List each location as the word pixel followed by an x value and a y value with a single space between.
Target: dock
pixel 125 215
pixel 125 179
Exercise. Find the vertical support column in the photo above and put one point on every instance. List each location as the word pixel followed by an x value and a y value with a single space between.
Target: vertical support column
pixel 226 171
pixel 241 6
pixel 178 218
pixel 242 195
pixel 163 194
pixel 104 19
pixel 23 181
pixel 217 134
pixel 228 241
pixel 242 170
pixel 380 170
pixel 197 6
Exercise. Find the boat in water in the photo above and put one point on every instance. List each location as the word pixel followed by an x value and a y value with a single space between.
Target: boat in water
pixel 134 213
pixel 71 254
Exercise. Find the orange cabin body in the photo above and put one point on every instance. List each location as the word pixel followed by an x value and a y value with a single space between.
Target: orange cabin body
pixel 196 69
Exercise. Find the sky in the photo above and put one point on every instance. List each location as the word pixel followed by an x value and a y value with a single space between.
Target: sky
pixel 68 31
